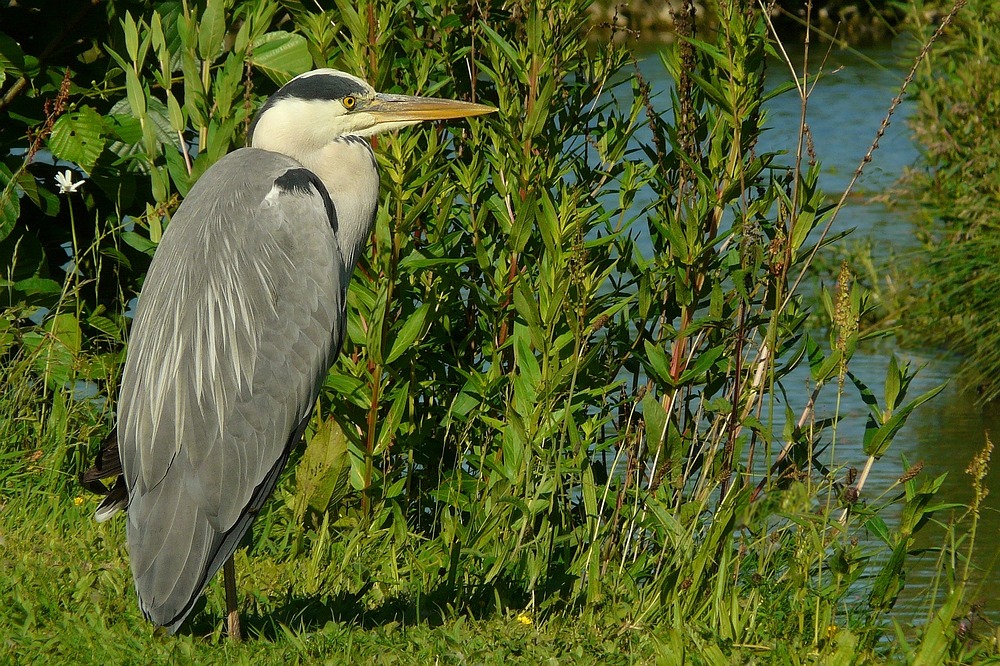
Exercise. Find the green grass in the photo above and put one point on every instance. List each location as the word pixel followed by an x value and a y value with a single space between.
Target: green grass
pixel 952 295
pixel 68 598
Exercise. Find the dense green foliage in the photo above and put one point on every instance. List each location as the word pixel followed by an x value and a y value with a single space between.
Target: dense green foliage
pixel 956 296
pixel 562 391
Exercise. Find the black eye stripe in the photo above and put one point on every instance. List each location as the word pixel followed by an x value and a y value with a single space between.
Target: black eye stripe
pixel 321 86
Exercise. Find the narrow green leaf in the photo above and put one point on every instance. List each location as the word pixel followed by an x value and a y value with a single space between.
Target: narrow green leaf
pixel 939 635
pixel 527 363
pixel 174 113
pixel 139 242
pixel 390 425
pixel 656 420
pixel 212 30
pixel 131 31
pixel 821 367
pixel 408 333
pixel 868 397
pixel 508 51
pixel 701 365
pixel 893 381
pixel 106 326
pixel 10 209
pixel 34 286
pixel 136 94
pixel 883 436
pixel 657 363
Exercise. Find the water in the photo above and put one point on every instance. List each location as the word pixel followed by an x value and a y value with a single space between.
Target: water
pixel 844 114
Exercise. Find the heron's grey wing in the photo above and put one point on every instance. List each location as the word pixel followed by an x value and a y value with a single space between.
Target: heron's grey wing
pixel 240 317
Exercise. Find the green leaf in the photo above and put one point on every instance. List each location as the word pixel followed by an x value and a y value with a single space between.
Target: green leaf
pixel 136 93
pixel 139 242
pixel 77 137
pixel 821 368
pixel 321 475
pixel 527 363
pixel 877 526
pixel 868 397
pixel 894 379
pixel 131 31
pixel 408 333
pixel 589 492
pixel 106 326
pixel 11 57
pixel 656 420
pixel 939 634
pixel 281 55
pixel 701 365
pixel 212 30
pixel 7 335
pixel 877 440
pixel 56 350
pixel 540 111
pixel 888 582
pixel 36 285
pixel 10 205
pixel 508 51
pixel 175 113
pixel 124 126
pixel 657 363
pixel 391 423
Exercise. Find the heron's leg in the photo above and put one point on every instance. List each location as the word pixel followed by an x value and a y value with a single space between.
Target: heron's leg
pixel 232 609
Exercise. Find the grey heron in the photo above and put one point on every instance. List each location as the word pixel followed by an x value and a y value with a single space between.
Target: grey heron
pixel 241 315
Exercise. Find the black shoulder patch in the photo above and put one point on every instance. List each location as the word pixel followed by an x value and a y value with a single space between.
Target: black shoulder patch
pixel 299 180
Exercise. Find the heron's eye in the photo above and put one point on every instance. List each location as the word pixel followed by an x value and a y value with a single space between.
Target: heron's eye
pixel 349 102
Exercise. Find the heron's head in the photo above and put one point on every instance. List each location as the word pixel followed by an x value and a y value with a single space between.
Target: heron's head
pixel 320 106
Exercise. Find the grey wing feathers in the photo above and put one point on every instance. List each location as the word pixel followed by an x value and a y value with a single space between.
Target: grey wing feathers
pixel 239 320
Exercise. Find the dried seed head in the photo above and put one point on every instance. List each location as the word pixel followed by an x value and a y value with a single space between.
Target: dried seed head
pixel 980 464
pixel 912 473
pixel 851 495
pixel 843 316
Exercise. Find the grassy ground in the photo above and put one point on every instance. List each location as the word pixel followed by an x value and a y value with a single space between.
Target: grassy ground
pixel 67 598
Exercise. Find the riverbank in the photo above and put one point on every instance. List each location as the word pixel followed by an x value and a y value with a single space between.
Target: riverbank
pixel 955 296
pixel 853 22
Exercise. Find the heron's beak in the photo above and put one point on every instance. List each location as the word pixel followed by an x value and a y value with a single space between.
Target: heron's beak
pixel 388 108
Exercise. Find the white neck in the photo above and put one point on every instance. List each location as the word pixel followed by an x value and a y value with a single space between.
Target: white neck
pixel 346 165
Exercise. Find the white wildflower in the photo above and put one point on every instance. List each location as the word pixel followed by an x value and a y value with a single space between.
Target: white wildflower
pixel 66 184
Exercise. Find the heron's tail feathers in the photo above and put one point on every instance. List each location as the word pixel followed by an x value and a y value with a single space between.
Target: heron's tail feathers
pixel 115 501
pixel 107 465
